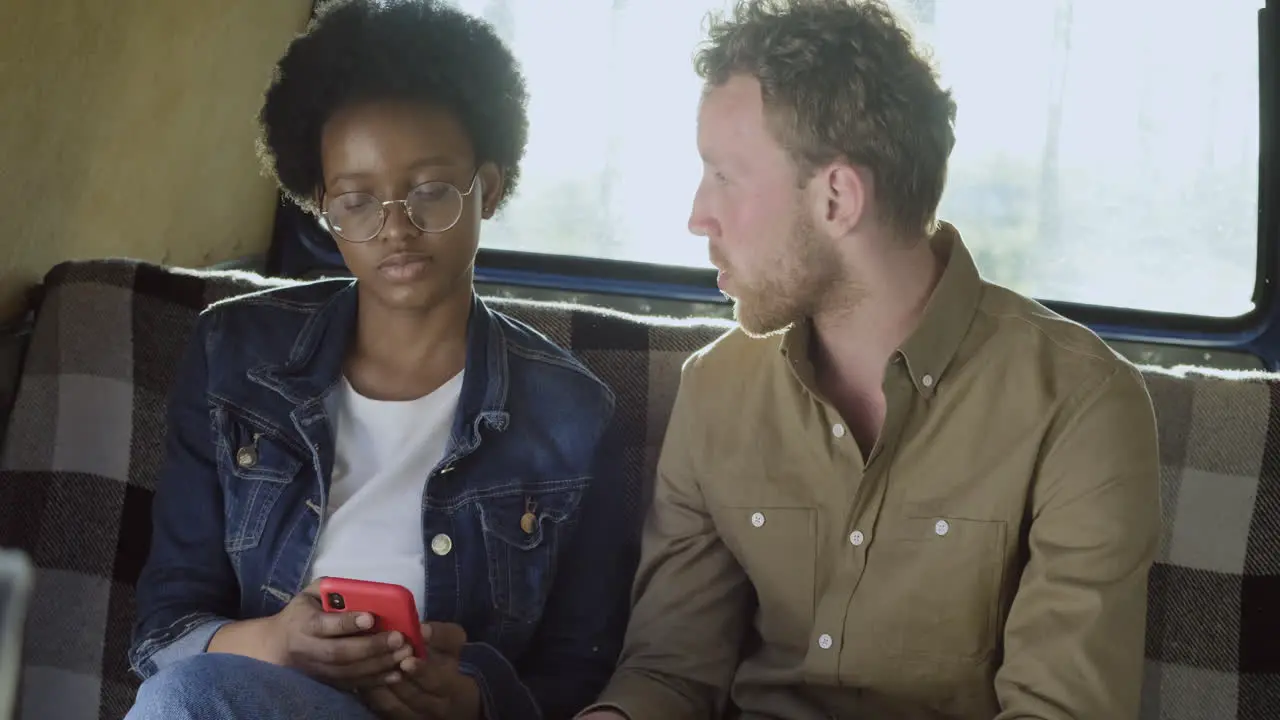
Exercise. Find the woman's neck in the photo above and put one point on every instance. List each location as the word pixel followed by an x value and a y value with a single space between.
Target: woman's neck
pixel 405 354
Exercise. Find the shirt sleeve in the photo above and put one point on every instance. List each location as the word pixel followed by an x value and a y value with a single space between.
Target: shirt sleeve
pixel 690 598
pixel 1075 635
pixel 187 589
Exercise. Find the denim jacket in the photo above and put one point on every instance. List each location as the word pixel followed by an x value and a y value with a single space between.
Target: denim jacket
pixel 544 611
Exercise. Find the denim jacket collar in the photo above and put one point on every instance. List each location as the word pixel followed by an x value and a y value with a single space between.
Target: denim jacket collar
pixel 315 363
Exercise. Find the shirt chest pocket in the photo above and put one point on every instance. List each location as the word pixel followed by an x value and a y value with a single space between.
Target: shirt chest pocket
pixel 255 467
pixel 777 546
pixel 524 531
pixel 943 577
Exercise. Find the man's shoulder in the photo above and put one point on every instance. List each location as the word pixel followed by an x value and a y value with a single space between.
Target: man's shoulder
pixel 1054 344
pixel 730 357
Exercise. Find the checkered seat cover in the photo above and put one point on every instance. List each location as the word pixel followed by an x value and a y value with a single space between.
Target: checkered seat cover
pixel 85 440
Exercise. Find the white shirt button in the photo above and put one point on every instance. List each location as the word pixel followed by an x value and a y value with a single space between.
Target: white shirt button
pixel 441 544
pixel 824 641
pixel 942 527
pixel 927 381
pixel 757 519
pixel 856 538
pixel 837 430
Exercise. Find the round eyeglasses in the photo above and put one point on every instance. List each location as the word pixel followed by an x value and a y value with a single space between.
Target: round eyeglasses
pixel 432 207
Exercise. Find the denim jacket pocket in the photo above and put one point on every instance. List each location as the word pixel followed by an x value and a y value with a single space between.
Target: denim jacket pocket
pixel 255 466
pixel 523 530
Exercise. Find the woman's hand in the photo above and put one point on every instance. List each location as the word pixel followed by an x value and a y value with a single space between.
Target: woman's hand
pixel 430 689
pixel 335 648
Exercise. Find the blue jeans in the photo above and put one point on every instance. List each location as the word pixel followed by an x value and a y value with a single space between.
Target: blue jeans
pixel 215 686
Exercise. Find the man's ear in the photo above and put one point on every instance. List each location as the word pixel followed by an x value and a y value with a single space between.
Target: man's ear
pixel 844 192
pixel 492 181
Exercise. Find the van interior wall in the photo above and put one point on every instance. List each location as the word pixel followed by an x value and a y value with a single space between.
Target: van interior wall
pixel 127 129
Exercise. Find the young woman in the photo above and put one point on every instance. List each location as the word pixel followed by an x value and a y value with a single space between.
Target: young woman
pixel 390 428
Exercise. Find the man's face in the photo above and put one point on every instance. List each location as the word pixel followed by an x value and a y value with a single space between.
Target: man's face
pixel 773 262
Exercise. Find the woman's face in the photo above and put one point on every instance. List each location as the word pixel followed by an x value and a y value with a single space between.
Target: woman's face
pixel 387 151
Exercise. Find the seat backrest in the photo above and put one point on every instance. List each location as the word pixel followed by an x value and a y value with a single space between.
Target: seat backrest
pixel 86 435
pixel 84 448
pixel 1213 627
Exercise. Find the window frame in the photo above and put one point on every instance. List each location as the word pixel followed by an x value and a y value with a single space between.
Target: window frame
pixel 1256 332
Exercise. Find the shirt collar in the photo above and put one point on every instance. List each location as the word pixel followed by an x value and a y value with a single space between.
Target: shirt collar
pixel 948 314
pixel 929 350
pixel 316 362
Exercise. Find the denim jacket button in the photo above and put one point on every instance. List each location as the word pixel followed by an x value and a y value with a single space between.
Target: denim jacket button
pixel 441 544
pixel 247 457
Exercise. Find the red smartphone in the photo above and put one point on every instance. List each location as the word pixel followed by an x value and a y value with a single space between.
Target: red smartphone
pixel 391 606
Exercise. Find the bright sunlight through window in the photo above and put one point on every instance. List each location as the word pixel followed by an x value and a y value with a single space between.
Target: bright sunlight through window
pixel 1107 150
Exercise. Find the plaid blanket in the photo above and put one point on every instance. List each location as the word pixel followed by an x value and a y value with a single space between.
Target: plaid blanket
pixel 84 445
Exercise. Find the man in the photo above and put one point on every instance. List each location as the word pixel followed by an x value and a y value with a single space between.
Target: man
pixel 897 490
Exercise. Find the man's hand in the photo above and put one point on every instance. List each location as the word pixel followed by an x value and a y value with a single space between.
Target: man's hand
pixel 430 689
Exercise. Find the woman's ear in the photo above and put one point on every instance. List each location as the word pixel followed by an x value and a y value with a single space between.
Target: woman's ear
pixel 317 209
pixel 492 180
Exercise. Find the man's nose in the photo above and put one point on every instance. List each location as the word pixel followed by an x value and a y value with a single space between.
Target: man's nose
pixel 700 221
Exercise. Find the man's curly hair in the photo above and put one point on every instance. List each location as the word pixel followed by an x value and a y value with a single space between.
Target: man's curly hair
pixel 398 50
pixel 844 79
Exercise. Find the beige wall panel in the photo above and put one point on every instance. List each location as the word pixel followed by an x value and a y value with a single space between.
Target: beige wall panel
pixel 127 128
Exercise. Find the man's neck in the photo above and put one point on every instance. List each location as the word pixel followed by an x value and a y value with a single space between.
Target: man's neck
pixel 852 344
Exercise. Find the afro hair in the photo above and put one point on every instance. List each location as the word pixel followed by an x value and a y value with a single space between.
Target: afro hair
pixel 398 50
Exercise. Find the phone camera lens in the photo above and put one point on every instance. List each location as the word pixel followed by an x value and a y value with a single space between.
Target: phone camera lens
pixel 336 601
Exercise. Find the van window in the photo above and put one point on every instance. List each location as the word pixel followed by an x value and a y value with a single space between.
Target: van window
pixel 1107 150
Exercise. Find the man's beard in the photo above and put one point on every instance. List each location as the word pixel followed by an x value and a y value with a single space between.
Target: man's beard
pixel 794 288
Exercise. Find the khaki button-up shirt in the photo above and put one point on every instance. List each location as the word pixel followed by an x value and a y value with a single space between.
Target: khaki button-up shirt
pixel 989 560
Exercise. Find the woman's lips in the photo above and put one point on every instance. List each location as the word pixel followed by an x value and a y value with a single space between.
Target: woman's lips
pixel 403 267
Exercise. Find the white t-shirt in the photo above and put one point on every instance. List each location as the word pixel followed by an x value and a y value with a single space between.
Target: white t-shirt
pixel 384 451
